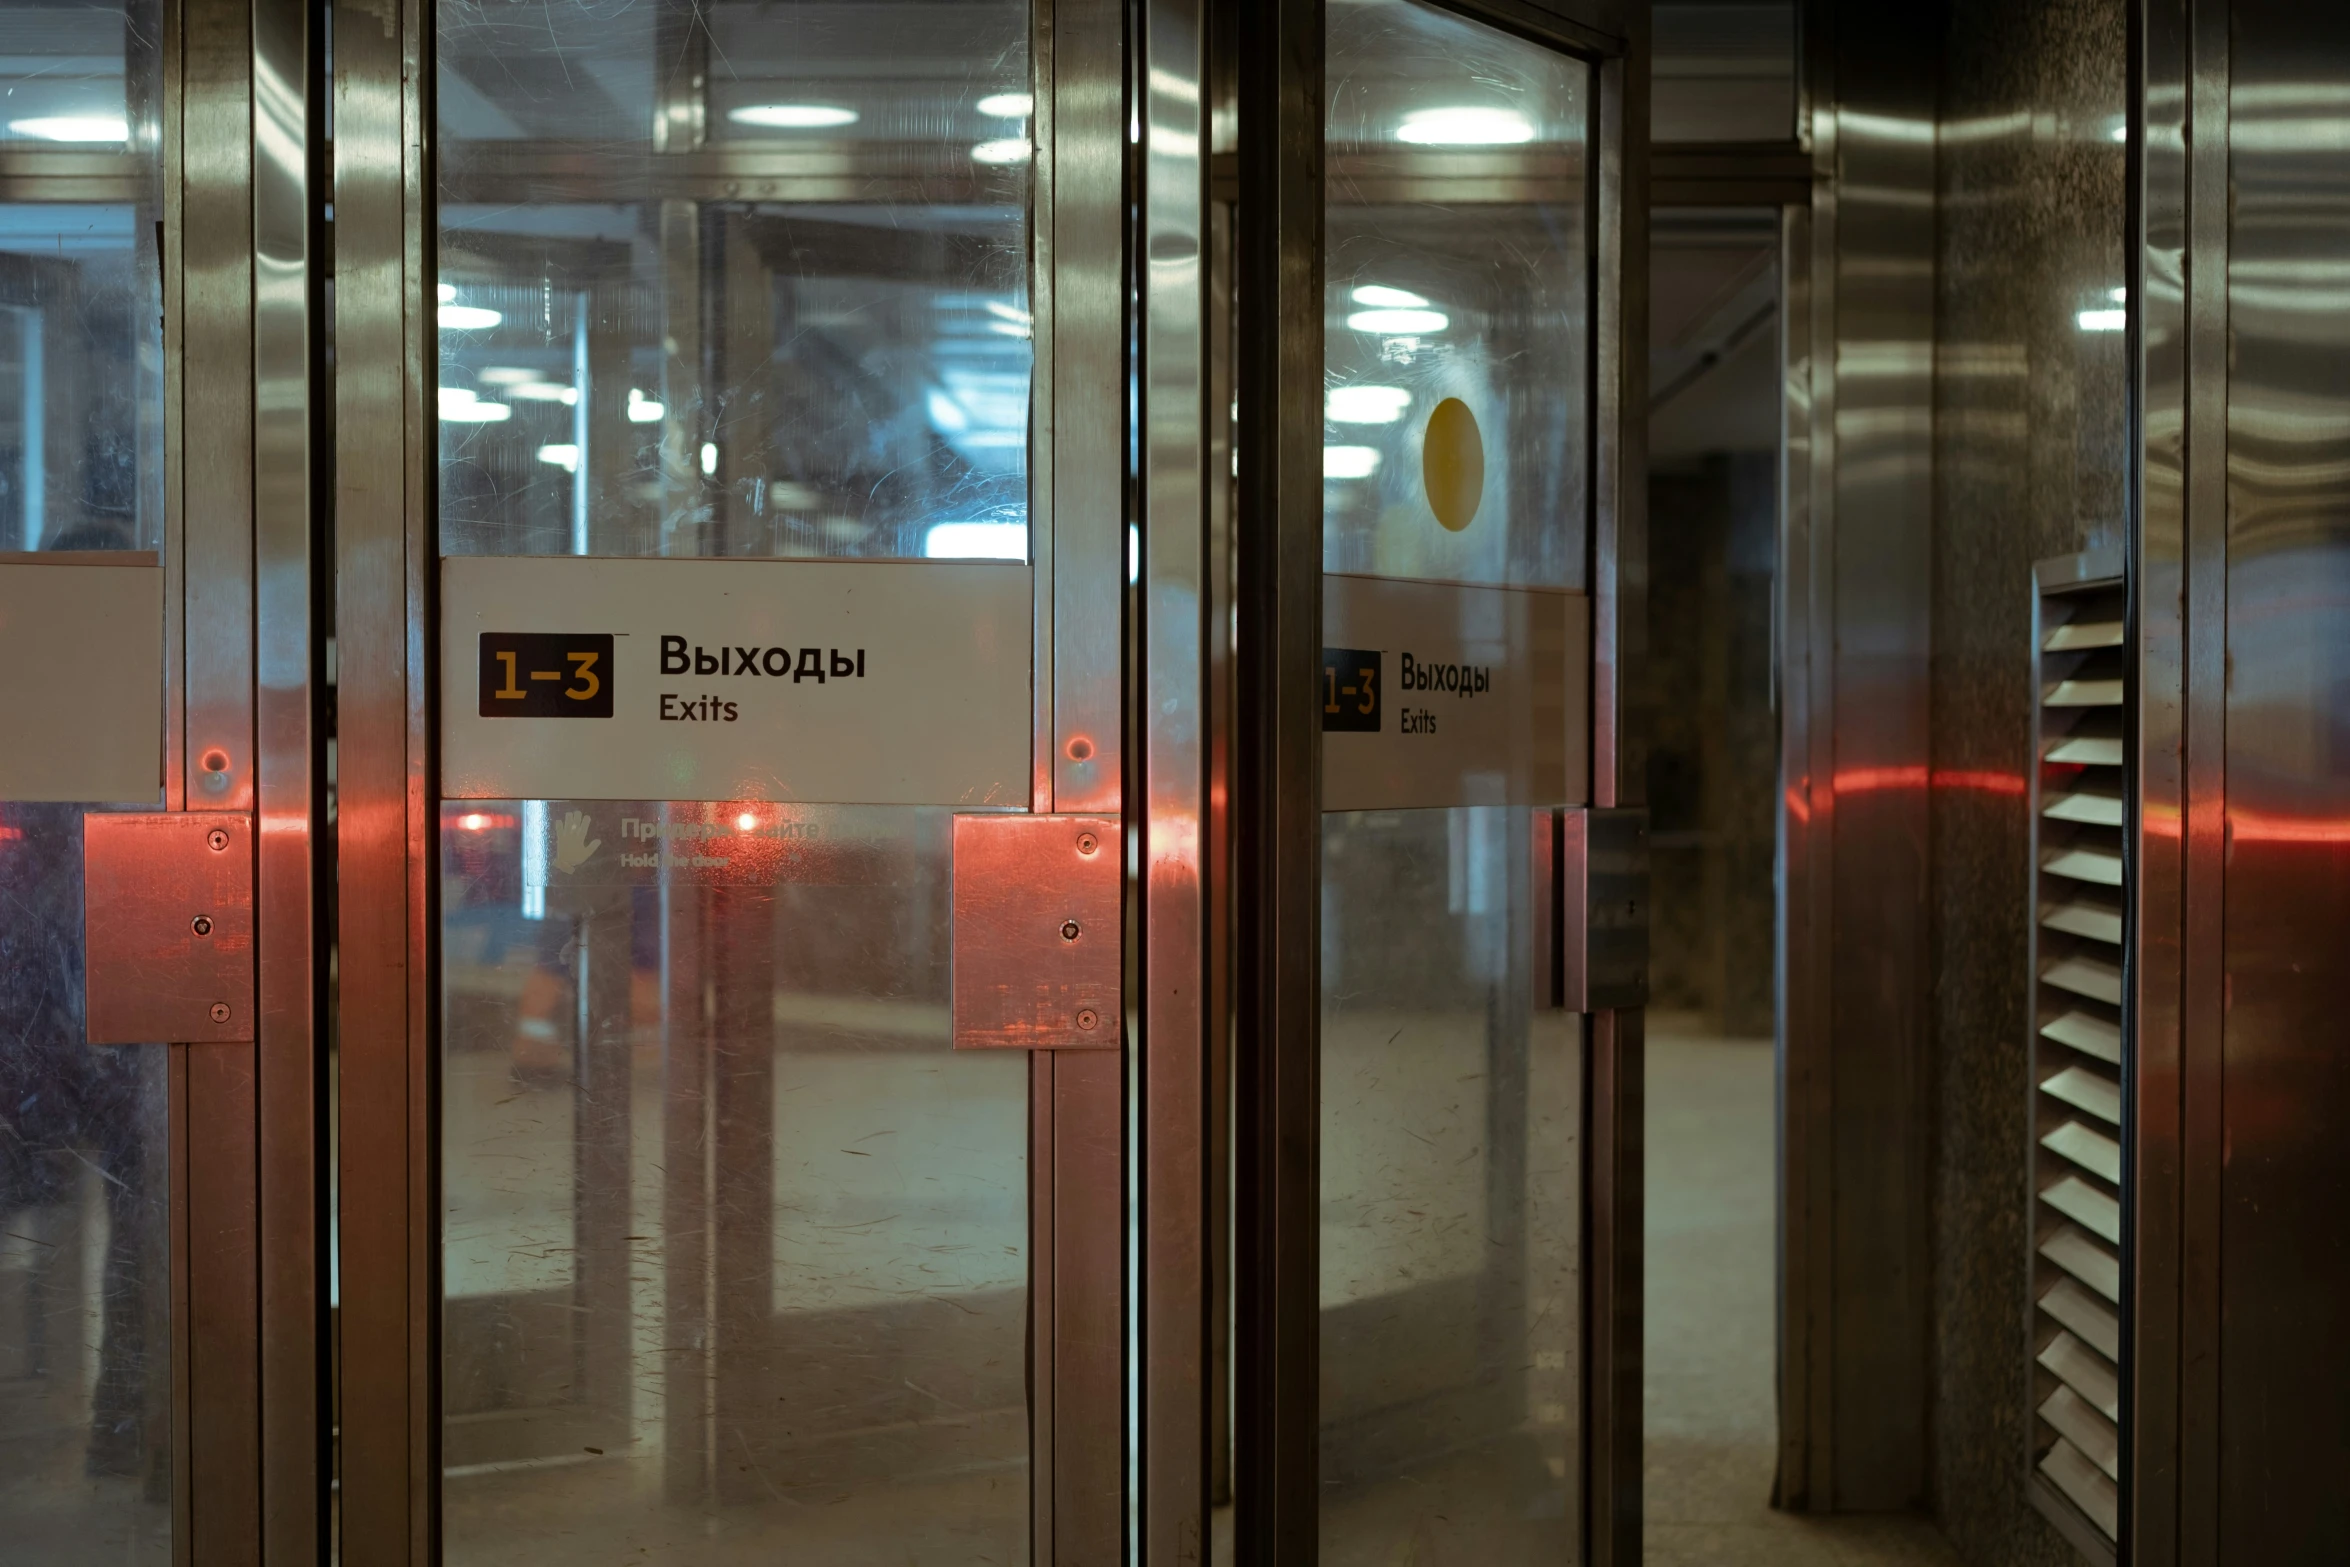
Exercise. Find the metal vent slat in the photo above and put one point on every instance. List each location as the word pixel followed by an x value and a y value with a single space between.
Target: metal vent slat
pixel 2086 976
pixel 2095 866
pixel 2082 634
pixel 2072 1250
pixel 2087 751
pixel 2094 1152
pixel 2090 1035
pixel 2092 1321
pixel 2085 1428
pixel 2084 1484
pixel 2086 1206
pixel 2082 693
pixel 2086 1372
pixel 2091 921
pixel 2085 1089
pixel 2095 806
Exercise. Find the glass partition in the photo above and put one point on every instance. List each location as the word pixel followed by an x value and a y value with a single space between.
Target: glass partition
pixel 735 1245
pixel 85 1296
pixel 1456 320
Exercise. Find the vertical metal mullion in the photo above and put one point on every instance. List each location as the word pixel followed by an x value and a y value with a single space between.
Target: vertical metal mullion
pixel 1169 1081
pixel 1613 1259
pixel 1084 1336
pixel 2203 994
pixel 383 834
pixel 2159 82
pixel 287 785
pixel 223 1453
pixel 1279 46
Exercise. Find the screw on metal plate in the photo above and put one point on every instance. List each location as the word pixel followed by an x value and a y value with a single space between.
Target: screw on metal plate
pixel 201 925
pixel 1088 1019
pixel 215 765
pixel 1087 843
pixel 1069 931
pixel 217 838
pixel 220 1012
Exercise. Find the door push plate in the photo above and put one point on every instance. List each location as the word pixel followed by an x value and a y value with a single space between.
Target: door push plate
pixel 167 924
pixel 1038 932
pixel 1603 908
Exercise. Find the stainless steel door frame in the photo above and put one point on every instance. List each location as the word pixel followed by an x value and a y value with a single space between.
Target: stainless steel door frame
pixel 241 234
pixel 1276 778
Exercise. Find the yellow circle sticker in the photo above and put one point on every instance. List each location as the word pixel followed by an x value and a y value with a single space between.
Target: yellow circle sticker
pixel 1452 464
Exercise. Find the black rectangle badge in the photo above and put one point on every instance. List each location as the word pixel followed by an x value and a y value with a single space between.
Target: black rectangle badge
pixel 1350 688
pixel 546 674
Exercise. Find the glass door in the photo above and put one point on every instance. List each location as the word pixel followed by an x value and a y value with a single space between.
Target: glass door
pixel 741 708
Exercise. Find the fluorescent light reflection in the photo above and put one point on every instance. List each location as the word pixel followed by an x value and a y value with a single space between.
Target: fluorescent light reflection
pixel 1399 322
pixel 1349 462
pixel 565 457
pixel 2104 320
pixel 1366 404
pixel 642 409
pixel 73 127
pixel 793 116
pixel 1010 149
pixel 1464 126
pixel 976 541
pixel 462 405
pixel 1008 105
pixel 468 318
pixel 1394 298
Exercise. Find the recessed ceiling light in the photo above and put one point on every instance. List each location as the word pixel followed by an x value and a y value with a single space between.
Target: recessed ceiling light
pixel 1396 322
pixel 1011 149
pixel 468 318
pixel 73 127
pixel 1464 126
pixel 1349 462
pixel 793 116
pixel 1366 404
pixel 1008 105
pixel 1381 294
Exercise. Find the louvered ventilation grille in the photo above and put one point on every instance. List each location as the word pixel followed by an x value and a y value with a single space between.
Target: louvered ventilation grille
pixel 2081 889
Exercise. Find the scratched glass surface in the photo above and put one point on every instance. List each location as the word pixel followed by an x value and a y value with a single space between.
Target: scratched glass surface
pixel 733 1240
pixel 735 1244
pixel 1458 268
pixel 1451 1113
pixel 734 279
pixel 85 1279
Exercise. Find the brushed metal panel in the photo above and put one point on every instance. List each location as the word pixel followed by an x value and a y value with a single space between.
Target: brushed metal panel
pixel 1603 908
pixel 168 927
pixel 1038 938
pixel 2281 920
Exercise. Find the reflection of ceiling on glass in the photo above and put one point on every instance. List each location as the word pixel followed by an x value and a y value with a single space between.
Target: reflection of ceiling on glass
pixel 796 73
pixel 62 75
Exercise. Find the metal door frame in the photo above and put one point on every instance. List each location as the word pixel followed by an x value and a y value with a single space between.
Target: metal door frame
pixel 1276 794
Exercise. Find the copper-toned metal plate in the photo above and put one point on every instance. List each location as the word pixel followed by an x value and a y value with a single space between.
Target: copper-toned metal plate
pixel 168 927
pixel 1038 932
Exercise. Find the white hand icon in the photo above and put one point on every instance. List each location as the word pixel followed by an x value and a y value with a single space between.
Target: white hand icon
pixel 573 846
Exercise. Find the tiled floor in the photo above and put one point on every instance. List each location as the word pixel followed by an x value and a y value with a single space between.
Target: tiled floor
pixel 1711 1404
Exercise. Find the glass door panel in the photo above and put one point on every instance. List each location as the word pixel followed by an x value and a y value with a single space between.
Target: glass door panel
pixel 735 1244
pixel 85 1280
pixel 1456 457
